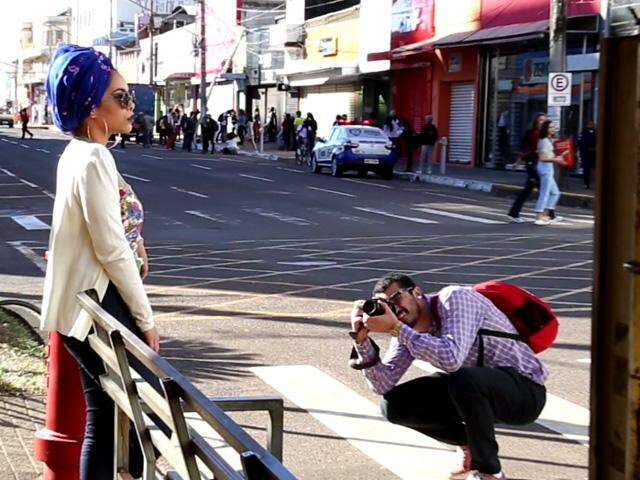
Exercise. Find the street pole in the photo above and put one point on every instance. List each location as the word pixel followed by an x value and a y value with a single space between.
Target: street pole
pixel 203 61
pixel 557 50
pixel 151 25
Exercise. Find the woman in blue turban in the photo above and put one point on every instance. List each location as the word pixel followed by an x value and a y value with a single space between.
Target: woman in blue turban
pixel 95 240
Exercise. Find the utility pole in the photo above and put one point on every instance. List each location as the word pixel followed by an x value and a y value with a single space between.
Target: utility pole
pixel 203 61
pixel 151 25
pixel 557 49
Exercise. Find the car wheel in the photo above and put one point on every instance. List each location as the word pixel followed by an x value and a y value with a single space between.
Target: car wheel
pixel 387 173
pixel 336 170
pixel 315 168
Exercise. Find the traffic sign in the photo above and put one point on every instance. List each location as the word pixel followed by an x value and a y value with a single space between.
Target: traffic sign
pixel 559 90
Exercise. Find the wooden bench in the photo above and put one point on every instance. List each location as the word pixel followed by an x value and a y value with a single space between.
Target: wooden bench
pixel 191 418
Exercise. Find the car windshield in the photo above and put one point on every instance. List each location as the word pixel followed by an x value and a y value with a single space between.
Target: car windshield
pixel 364 132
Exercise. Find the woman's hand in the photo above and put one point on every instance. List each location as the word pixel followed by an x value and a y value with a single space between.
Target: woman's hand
pixel 152 338
pixel 142 253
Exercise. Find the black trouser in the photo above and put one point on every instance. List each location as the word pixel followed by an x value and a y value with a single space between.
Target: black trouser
pixel 206 139
pixel 25 130
pixel 532 181
pixel 588 161
pixel 187 141
pixel 461 408
pixel 96 458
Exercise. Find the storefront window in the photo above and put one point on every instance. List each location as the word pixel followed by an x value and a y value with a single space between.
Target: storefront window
pixel 517 91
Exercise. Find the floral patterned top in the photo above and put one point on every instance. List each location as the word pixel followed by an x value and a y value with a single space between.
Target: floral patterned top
pixel 132 218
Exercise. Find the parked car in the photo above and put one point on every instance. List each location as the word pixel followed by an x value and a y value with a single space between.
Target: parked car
pixel 355 147
pixel 6 118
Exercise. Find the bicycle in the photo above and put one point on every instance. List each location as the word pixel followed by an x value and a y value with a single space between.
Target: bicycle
pixel 303 156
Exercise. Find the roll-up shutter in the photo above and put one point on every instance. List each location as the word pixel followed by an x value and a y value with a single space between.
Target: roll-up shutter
pixel 460 148
pixel 327 101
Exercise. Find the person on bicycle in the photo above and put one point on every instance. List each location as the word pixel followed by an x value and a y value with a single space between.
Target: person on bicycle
pixel 303 137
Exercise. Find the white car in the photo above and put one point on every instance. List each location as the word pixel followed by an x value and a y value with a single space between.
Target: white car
pixel 355 147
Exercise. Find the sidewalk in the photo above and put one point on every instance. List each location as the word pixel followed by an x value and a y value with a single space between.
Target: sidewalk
pixel 499 182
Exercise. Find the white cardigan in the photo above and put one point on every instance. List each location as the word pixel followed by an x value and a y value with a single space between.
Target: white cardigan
pixel 87 245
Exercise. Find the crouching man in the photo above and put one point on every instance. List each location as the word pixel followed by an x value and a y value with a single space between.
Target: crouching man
pixel 461 405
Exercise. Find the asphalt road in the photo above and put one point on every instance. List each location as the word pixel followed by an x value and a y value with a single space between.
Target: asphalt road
pixel 254 265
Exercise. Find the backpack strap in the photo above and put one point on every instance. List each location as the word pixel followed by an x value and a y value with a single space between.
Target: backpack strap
pixel 433 304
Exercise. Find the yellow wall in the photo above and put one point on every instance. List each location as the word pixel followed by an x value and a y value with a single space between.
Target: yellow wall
pixel 346 32
pixel 453 16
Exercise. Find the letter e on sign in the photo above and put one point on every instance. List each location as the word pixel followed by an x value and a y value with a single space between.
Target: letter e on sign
pixel 559 90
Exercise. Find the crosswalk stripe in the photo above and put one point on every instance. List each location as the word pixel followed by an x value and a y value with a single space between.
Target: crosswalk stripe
pixel 393 215
pixel 405 452
pixel 568 419
pixel 30 222
pixel 458 216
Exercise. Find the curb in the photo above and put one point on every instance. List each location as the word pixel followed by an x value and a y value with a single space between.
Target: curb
pixel 6 307
pixel 264 156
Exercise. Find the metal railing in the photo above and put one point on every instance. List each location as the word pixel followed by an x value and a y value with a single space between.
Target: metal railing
pixel 178 420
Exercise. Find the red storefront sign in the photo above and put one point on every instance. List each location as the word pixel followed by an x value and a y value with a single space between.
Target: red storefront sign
pixel 411 21
pixel 496 13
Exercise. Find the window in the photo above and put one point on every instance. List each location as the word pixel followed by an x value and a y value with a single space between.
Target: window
pixel 364 132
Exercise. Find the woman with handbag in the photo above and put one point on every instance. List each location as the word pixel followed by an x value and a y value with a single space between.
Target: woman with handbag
pixel 95 240
pixel 549 193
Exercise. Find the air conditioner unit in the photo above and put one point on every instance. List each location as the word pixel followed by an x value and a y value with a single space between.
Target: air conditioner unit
pixel 295 36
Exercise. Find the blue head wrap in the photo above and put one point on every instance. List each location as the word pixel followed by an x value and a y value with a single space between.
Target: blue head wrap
pixel 76 82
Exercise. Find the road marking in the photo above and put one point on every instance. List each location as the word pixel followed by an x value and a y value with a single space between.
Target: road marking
pixel 204 215
pixel 13 197
pixel 7 172
pixel 405 452
pixel 279 216
pixel 332 191
pixel 189 192
pixel 200 166
pixel 10 184
pixel 44 150
pixel 584 360
pixel 136 178
pixel 49 194
pixel 290 169
pixel 30 254
pixel 25 146
pixel 256 178
pixel 317 263
pixel 12 142
pixel 365 183
pixel 568 419
pixel 459 216
pixel 393 215
pixel 153 156
pixel 30 222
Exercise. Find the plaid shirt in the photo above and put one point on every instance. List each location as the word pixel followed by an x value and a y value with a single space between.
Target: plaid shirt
pixel 454 344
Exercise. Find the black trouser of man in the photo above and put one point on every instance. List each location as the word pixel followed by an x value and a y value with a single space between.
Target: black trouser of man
pixel 532 181
pixel 187 141
pixel 25 130
pixel 588 161
pixel 206 139
pixel 461 408
pixel 96 457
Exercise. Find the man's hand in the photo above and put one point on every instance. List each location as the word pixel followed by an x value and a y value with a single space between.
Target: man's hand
pixel 142 253
pixel 357 323
pixel 381 323
pixel 152 338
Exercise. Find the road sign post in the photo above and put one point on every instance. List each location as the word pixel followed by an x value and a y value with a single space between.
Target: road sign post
pixel 559 90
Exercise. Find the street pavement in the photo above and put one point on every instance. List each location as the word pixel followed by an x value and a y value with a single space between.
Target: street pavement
pixel 255 263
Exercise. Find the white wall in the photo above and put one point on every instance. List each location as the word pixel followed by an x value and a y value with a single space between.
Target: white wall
pixel 374 33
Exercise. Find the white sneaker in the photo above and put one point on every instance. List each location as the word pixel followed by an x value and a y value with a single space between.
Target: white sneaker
pixel 463 469
pixel 542 221
pixel 516 219
pixel 476 475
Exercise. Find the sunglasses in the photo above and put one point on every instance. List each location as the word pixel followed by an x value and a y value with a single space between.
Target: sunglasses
pixel 393 299
pixel 124 98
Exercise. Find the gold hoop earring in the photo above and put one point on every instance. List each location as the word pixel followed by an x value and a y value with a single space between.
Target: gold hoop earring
pixel 89 132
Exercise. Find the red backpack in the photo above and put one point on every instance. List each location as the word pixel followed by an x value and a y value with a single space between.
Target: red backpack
pixel 536 324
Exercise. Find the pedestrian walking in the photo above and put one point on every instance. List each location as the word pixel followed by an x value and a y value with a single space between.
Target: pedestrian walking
pixel 428 138
pixel 209 129
pixel 528 156
pixel 171 131
pixel 272 125
pixel 407 140
pixel 587 146
pixel 256 126
pixel 549 191
pixel 24 119
pixel 313 129
pixel 91 101
pixel 287 131
pixel 223 120
pixel 242 126
pixel 162 127
pixel 392 129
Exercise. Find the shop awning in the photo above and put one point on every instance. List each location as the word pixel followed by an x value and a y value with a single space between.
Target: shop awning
pixel 489 36
pixel 422 46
